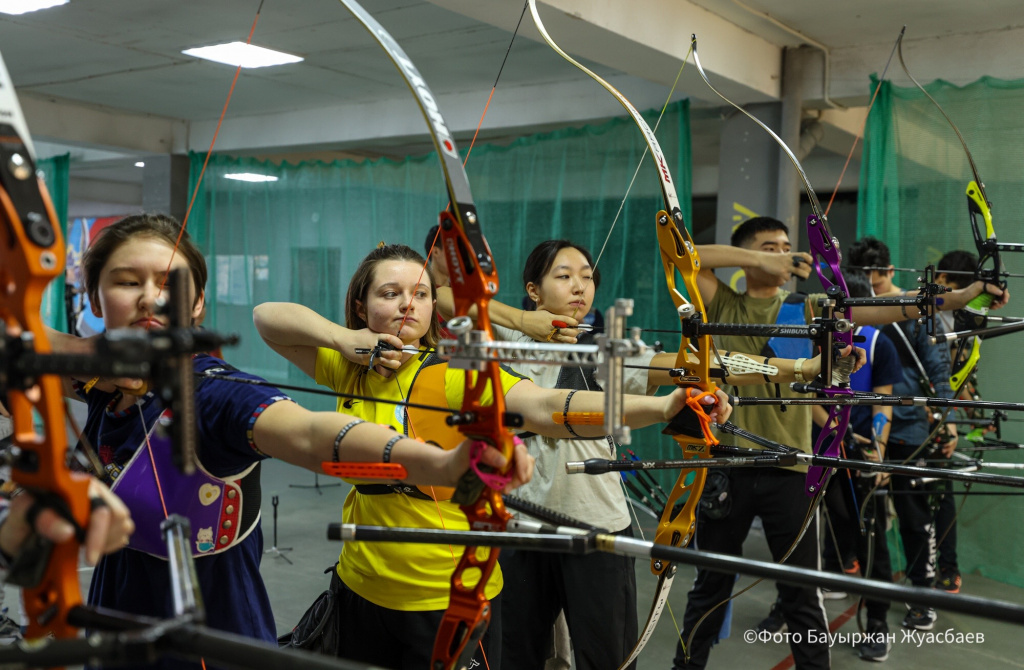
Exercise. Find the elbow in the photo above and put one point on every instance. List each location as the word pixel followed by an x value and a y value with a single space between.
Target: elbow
pixel 262 318
pixel 537 406
pixel 259 315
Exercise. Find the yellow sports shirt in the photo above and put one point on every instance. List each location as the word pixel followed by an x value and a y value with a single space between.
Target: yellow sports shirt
pixel 411 577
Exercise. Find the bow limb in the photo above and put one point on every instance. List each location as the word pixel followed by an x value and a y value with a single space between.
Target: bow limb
pixel 990 267
pixel 825 249
pixel 969 363
pixel 31 256
pixel 679 258
pixel 474 283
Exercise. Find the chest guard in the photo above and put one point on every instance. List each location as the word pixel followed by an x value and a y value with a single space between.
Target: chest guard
pixel 222 511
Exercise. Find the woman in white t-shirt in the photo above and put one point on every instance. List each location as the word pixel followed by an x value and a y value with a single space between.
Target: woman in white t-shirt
pixel 596 592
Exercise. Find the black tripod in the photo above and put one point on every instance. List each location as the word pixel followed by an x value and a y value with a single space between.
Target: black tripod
pixel 315 485
pixel 278 553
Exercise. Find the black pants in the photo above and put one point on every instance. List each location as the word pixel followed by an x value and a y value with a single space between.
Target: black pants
pixel 839 546
pixel 945 526
pixel 870 546
pixel 403 640
pixel 597 593
pixel 778 497
pixel 917 521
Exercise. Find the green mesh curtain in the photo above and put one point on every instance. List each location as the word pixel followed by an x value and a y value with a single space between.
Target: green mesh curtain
pixel 300 238
pixel 55 173
pixel 914 175
pixel 915 171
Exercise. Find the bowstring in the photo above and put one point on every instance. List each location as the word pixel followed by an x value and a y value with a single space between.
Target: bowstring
pixel 472 143
pixel 812 509
pixel 611 229
pixel 437 234
pixel 184 223
pixel 618 214
pixel 84 447
pixel 864 125
pixel 188 211
pixel 209 152
pixel 426 263
pixel 149 452
pixel 818 496
pixel 940 426
pixel 643 156
pixel 83 441
pixel 177 244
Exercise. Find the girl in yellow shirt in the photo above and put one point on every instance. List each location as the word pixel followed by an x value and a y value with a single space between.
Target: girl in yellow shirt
pixel 394 595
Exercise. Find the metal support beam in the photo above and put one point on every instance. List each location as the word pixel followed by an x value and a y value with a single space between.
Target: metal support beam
pixel 91 125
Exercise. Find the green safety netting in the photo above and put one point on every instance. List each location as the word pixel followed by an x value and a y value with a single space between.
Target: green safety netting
pixel 914 175
pixel 55 172
pixel 299 238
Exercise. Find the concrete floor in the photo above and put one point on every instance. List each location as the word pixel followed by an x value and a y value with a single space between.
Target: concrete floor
pixel 303 515
pixel 294 579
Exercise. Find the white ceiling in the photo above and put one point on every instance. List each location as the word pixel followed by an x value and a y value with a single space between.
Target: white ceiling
pixel 126 54
pixel 107 79
pixel 845 23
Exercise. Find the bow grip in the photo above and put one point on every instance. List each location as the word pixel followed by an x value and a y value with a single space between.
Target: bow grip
pixel 468 488
pixel 29 566
pixel 54 589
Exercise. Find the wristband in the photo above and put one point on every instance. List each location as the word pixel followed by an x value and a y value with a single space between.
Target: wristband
pixel 798 370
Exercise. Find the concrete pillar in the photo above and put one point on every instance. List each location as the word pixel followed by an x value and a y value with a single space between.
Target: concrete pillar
pixel 747 175
pixel 165 185
pixel 789 185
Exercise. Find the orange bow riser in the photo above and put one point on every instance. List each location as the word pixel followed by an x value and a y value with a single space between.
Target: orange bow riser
pixel 31 256
pixel 474 282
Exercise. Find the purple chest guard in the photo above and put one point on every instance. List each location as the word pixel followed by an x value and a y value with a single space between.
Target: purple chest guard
pixel 212 505
pixel 825 249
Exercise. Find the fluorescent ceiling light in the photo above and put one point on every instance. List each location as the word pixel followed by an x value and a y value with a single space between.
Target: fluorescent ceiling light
pixel 242 54
pixel 140 164
pixel 250 176
pixel 25 6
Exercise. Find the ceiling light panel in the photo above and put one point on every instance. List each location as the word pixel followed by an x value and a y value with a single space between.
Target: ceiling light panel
pixel 26 6
pixel 242 54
